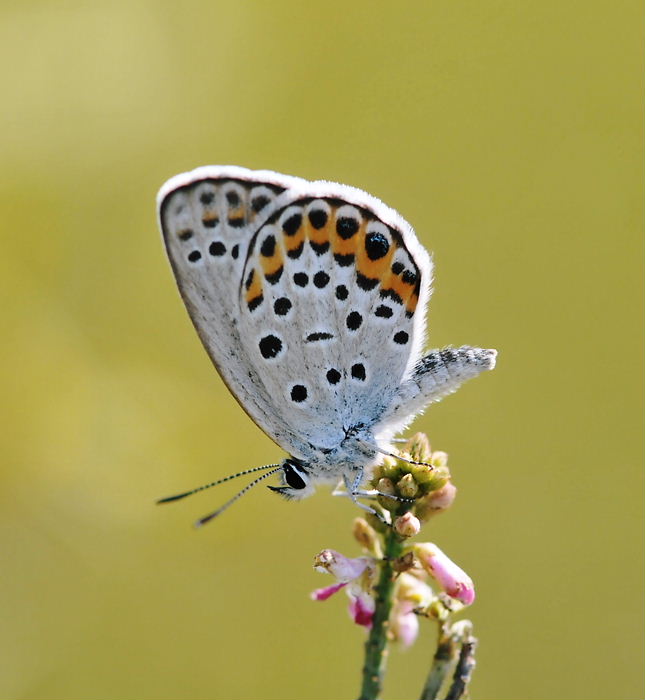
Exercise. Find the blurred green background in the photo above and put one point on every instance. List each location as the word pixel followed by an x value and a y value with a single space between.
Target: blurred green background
pixel 510 135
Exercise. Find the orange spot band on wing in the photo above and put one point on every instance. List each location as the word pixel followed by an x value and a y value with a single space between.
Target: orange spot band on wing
pixel 411 306
pixel 254 288
pixel 292 243
pixel 271 264
pixel 318 235
pixel 404 289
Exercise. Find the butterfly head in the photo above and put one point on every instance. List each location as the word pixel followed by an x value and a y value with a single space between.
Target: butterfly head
pixel 296 480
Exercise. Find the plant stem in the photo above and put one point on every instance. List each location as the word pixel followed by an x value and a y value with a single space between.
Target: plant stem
pixel 464 670
pixel 376 644
pixel 451 638
pixel 440 664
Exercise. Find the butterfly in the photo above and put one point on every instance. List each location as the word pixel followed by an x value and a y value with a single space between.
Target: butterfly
pixel 310 299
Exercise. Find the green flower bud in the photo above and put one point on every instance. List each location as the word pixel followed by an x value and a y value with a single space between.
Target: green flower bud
pixel 423 475
pixel 419 448
pixel 390 469
pixel 385 486
pixel 439 477
pixel 407 486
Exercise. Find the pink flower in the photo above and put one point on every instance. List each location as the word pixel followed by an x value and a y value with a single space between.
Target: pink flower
pixel 341 567
pixel 404 624
pixel 355 574
pixel 328 592
pixel 361 607
pixel 454 580
pixel 411 593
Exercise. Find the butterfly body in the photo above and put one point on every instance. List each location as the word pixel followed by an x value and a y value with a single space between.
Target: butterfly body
pixel 310 299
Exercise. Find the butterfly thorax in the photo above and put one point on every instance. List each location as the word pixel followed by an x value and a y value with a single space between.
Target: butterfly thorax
pixel 349 462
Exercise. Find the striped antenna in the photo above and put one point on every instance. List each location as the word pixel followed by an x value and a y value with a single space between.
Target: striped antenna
pixel 221 509
pixel 179 496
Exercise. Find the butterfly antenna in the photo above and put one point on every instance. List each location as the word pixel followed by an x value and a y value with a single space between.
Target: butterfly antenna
pixel 221 509
pixel 179 496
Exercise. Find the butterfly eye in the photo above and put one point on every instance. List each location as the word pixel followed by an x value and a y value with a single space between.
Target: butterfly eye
pixel 292 477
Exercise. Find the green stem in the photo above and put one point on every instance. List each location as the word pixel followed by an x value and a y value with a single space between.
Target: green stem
pixel 452 639
pixel 376 644
pixel 440 664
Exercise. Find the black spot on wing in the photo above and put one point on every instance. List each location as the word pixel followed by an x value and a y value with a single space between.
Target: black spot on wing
pixel 255 302
pixel 282 306
pixel 301 279
pixel 274 277
pixel 233 198
pixel 319 248
pixel 346 227
pixel 270 346
pixel 297 251
pixel 258 203
pixel 292 224
pixel 210 221
pixel 390 294
pixel 268 246
pixel 366 283
pixel 315 337
pixel 354 321
pixel 321 279
pixel 344 260
pixel 409 277
pixel 383 311
pixel 298 393
pixel 217 248
pixel 376 246
pixel 318 218
pixel 333 376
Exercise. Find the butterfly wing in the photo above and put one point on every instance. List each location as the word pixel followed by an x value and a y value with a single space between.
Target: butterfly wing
pixel 319 318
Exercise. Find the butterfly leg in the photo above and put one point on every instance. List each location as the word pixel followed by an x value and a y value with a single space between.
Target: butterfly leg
pixel 353 492
pixel 370 493
pixel 395 456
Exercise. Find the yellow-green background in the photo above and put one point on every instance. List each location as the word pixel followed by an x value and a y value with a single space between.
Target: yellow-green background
pixel 509 134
